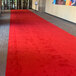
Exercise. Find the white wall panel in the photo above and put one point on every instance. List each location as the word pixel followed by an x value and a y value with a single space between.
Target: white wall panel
pixel 62 11
pixel 33 4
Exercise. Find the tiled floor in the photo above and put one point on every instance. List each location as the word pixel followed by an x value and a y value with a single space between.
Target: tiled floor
pixel 4 35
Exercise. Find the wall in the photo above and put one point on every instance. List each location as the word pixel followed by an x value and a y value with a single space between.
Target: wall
pixel 33 5
pixel 62 11
pixel 40 6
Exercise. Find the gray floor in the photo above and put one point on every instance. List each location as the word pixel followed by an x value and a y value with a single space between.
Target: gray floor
pixel 65 25
pixel 4 35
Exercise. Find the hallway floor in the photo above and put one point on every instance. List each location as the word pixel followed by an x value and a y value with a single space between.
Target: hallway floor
pixel 36 47
pixel 63 24
pixel 4 36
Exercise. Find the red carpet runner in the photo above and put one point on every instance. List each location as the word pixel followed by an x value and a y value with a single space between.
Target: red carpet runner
pixel 39 48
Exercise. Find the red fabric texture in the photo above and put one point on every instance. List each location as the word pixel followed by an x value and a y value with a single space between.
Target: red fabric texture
pixel 39 48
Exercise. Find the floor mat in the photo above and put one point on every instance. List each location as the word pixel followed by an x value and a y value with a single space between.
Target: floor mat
pixel 39 48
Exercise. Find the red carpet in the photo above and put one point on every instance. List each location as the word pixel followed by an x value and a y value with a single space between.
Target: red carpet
pixel 39 48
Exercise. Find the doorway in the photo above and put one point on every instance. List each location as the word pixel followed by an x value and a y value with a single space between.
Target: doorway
pixel 16 4
pixel 25 4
